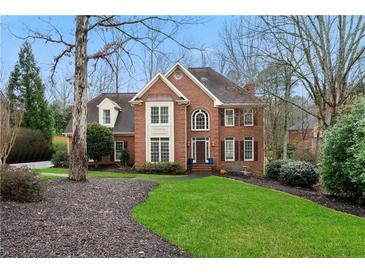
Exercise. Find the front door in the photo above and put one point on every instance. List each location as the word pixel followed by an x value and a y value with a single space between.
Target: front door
pixel 200 152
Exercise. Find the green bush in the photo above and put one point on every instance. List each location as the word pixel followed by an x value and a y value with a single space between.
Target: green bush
pixel 99 141
pixel 342 164
pixel 303 155
pixel 124 157
pixel 30 146
pixel 161 168
pixel 60 159
pixel 20 184
pixel 273 168
pixel 298 173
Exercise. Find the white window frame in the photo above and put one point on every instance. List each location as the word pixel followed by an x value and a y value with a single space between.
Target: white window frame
pixel 233 149
pixel 115 150
pixel 159 115
pixel 110 116
pixel 159 148
pixel 248 112
pixel 193 120
pixel 252 146
pixel 226 117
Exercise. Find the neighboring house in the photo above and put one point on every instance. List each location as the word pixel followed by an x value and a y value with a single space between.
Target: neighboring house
pixel 303 135
pixel 191 116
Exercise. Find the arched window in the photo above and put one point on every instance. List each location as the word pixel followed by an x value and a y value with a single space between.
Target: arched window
pixel 200 120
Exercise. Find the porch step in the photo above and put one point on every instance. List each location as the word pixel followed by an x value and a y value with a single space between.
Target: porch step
pixel 201 168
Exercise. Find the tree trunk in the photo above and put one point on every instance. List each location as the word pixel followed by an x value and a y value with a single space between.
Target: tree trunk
pixel 78 156
pixel 286 116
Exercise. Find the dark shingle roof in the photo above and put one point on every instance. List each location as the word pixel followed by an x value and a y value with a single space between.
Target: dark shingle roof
pixel 224 89
pixel 309 123
pixel 125 119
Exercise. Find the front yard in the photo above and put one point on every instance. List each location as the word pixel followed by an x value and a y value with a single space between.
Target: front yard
pixel 206 217
pixel 219 217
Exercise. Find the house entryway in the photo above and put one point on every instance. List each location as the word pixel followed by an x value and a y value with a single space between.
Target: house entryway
pixel 200 154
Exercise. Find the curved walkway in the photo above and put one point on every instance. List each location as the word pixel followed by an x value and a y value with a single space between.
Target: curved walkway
pixel 90 219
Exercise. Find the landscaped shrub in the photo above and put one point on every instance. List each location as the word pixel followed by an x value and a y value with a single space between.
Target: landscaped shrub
pixel 161 168
pixel 273 168
pixel 30 146
pixel 298 173
pixel 342 164
pixel 99 142
pixel 124 157
pixel 304 155
pixel 60 159
pixel 20 184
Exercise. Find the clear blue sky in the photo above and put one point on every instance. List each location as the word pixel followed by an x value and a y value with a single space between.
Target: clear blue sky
pixel 206 34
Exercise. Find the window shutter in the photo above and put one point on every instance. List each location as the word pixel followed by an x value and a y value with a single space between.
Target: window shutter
pixel 125 145
pixel 236 113
pixel 242 150
pixel 223 156
pixel 256 151
pixel 222 116
pixel 255 114
pixel 236 150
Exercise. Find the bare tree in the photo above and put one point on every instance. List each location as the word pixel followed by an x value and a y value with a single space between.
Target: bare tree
pixel 9 124
pixel 130 29
pixel 326 59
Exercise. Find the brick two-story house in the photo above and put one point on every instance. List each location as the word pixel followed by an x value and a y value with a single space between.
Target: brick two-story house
pixel 191 116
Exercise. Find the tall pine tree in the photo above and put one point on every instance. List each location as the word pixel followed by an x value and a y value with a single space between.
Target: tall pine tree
pixel 25 86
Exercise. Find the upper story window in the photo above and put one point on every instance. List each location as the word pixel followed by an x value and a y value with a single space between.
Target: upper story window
pixel 106 116
pixel 200 120
pixel 248 118
pixel 160 115
pixel 229 117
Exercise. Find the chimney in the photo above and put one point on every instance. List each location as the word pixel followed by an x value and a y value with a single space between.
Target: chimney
pixel 250 88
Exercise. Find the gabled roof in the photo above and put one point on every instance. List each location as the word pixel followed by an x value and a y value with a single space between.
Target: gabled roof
pixel 216 100
pixel 153 81
pixel 125 119
pixel 112 102
pixel 228 92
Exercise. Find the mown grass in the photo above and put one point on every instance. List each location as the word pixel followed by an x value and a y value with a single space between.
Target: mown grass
pixel 219 217
pixel 95 173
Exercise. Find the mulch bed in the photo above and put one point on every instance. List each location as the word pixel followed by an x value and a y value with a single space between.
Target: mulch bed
pixel 315 195
pixel 90 219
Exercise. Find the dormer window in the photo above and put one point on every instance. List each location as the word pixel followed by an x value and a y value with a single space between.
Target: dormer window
pixel 106 116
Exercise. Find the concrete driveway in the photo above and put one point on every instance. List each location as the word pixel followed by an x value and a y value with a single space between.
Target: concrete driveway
pixel 42 164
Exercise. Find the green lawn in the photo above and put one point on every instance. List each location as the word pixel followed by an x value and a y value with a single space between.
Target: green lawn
pixel 219 217
pixel 93 173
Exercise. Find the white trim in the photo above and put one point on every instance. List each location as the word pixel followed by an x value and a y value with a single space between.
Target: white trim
pixel 244 149
pixel 150 84
pixel 225 120
pixel 115 150
pixel 111 101
pixel 196 81
pixel 225 149
pixel 192 118
pixel 206 148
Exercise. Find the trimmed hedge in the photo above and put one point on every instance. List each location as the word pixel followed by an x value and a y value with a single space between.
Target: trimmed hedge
pixel 273 168
pixel 298 173
pixel 60 159
pixel 161 168
pixel 30 146
pixel 20 184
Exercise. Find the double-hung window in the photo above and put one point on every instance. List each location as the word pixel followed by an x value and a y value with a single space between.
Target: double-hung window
pixel 229 149
pixel 106 116
pixel 160 150
pixel 248 118
pixel 160 115
pixel 118 147
pixel 229 117
pixel 248 149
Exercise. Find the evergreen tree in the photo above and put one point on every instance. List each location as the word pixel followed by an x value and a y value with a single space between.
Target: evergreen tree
pixel 25 86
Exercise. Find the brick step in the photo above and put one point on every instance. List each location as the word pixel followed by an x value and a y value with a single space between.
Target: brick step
pixel 201 168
